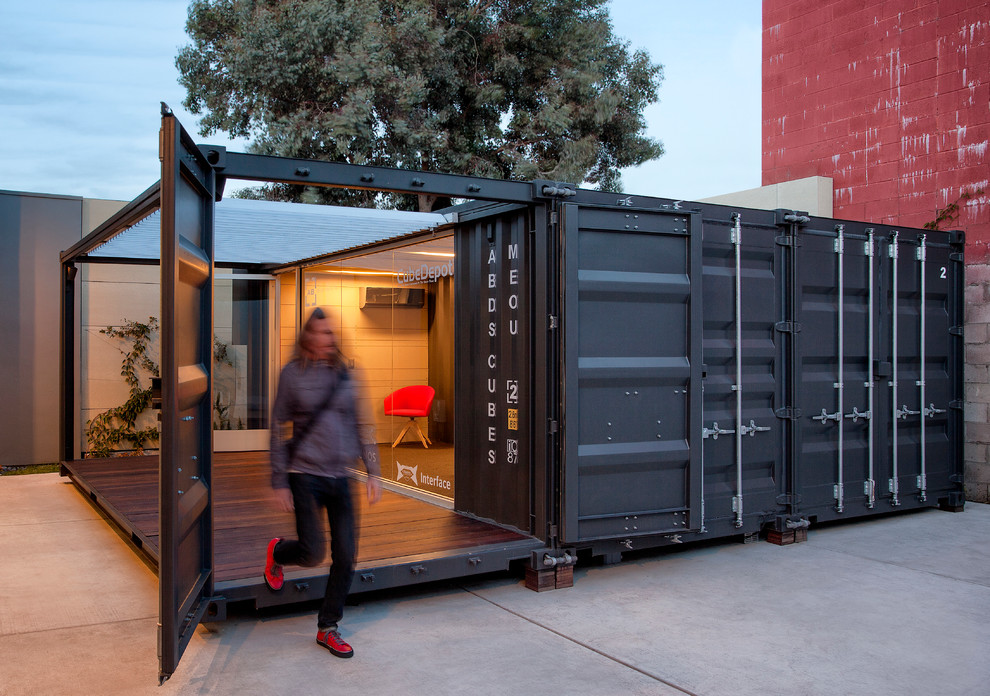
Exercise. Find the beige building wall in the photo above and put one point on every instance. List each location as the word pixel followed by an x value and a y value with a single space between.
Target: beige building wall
pixel 812 195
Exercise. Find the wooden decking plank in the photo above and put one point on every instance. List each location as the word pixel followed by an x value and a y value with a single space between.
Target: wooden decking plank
pixel 245 518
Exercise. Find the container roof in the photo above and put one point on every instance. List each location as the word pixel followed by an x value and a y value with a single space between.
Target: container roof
pixel 269 232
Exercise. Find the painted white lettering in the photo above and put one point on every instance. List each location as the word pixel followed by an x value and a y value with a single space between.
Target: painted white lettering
pixel 491 280
pixel 513 301
pixel 491 256
pixel 514 276
pixel 491 329
pixel 491 409
pixel 491 433
pixel 491 456
pixel 491 304
pixel 491 361
pixel 512 391
pixel 491 386
pixel 513 326
pixel 513 251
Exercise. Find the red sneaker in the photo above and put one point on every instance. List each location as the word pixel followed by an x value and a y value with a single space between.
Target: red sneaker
pixel 273 571
pixel 331 640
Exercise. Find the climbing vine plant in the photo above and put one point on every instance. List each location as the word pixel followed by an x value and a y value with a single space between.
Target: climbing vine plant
pixel 950 213
pixel 118 425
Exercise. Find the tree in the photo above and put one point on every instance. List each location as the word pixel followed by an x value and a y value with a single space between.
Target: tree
pixel 509 89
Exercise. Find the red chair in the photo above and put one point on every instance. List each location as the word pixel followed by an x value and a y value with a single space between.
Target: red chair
pixel 414 402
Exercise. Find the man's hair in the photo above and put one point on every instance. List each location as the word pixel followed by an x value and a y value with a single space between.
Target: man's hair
pixel 302 340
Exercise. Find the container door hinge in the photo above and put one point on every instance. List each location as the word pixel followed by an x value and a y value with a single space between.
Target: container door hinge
pixel 956 405
pixel 553 217
pixel 786 240
pixel 788 413
pixel 955 331
pixel 552 426
pixel 552 322
pixel 791 327
pixel 956 257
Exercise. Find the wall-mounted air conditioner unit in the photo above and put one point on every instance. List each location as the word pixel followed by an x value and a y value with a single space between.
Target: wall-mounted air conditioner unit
pixel 392 297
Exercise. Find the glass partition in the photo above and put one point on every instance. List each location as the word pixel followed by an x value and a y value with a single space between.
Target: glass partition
pixel 394 314
pixel 240 356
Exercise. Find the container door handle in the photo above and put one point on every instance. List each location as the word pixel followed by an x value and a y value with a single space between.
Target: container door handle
pixel 930 411
pixel 856 415
pixel 904 412
pixel 826 417
pixel 715 431
pixel 753 428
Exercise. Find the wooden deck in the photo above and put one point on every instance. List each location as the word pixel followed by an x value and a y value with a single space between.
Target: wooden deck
pixel 396 528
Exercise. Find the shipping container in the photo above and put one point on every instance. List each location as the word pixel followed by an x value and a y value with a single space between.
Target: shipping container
pixel 622 372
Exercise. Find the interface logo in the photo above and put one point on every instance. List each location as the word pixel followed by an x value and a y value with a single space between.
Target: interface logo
pixel 407 474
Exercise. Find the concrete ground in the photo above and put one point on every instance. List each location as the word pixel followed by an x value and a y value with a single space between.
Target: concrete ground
pixel 899 605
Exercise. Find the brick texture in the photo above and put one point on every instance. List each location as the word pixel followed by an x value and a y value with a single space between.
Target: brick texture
pixel 892 101
pixel 977 377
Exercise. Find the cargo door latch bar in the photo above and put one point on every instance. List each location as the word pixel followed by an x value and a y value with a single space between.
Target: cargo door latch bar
pixel 856 415
pixel 715 431
pixel 753 428
pixel 904 412
pixel 826 417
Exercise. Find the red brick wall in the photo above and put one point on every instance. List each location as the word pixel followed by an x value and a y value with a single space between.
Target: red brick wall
pixel 892 101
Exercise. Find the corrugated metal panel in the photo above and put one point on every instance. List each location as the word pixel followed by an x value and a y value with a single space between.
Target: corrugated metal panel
pixel 252 232
pixel 632 373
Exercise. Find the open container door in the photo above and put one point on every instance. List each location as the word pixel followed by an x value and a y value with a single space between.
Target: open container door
pixel 185 571
pixel 632 374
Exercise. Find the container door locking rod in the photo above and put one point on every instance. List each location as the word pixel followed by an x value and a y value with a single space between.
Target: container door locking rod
pixel 840 385
pixel 922 478
pixel 898 414
pixel 737 501
pixel 741 428
pixel 871 485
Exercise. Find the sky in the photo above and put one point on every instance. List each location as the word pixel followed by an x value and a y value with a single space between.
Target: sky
pixel 81 83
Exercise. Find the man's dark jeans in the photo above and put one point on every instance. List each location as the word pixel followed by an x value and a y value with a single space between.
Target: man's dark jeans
pixel 310 495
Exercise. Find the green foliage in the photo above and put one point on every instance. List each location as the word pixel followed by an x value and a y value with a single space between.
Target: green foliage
pixel 221 414
pixel 14 470
pixel 950 213
pixel 510 89
pixel 117 426
pixel 221 408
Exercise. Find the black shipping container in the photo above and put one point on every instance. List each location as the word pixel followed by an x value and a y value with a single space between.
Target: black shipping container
pixel 720 370
pixel 629 372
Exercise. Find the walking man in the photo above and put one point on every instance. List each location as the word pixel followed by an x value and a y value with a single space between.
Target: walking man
pixel 317 395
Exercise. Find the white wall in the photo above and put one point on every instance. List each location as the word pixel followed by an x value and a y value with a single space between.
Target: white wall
pixel 111 294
